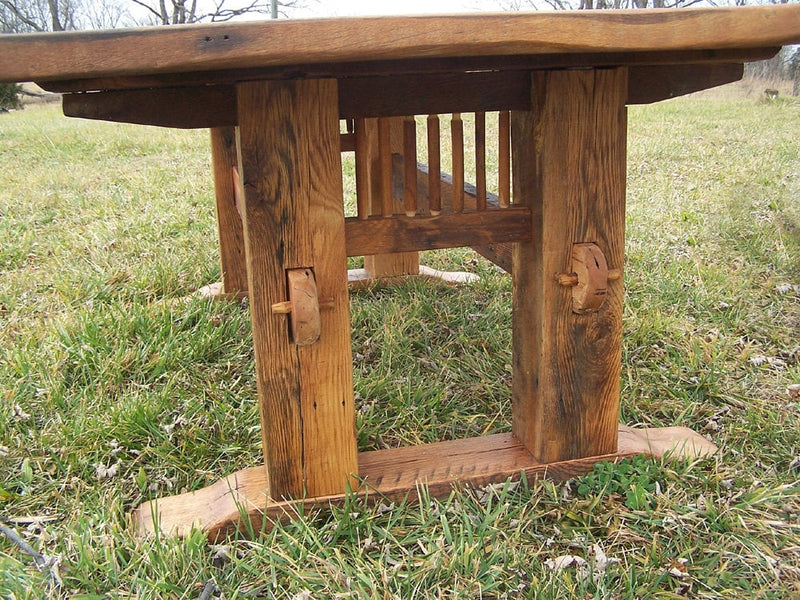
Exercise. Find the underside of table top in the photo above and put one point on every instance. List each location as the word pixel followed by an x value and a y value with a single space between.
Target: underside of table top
pixel 338 47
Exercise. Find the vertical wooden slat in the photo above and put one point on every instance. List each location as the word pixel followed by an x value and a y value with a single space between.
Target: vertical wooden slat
pixel 457 135
pixel 229 223
pixel 410 166
pixel 385 158
pixel 402 263
pixel 434 166
pixel 504 158
pixel 480 161
pixel 291 173
pixel 365 130
pixel 569 167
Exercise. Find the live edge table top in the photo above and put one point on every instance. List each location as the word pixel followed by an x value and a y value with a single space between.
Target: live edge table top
pixel 227 53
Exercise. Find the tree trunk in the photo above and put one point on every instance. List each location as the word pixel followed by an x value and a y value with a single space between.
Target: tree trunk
pixel 56 22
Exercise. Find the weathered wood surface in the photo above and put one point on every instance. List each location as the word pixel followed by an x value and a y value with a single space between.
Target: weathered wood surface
pixel 367 68
pixel 291 175
pixel 504 158
pixel 229 223
pixel 217 47
pixel 457 148
pixel 390 95
pixel 569 169
pixel 497 252
pixel 480 160
pixel 425 93
pixel 382 199
pixel 181 107
pixel 653 83
pixel 394 474
pixel 379 235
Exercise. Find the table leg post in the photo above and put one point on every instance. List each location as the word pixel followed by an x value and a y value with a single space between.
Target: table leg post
pixel 569 155
pixel 290 169
pixel 229 223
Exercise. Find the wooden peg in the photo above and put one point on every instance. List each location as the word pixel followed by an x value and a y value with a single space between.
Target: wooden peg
pixel 589 278
pixel 302 307
pixel 285 308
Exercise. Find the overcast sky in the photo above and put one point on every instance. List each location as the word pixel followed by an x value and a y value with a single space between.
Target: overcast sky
pixel 347 8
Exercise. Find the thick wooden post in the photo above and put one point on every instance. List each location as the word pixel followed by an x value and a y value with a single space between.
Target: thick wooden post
pixel 229 223
pixel 569 168
pixel 290 168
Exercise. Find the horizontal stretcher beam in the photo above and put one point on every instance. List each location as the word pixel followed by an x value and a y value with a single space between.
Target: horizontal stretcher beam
pixel 399 233
pixel 383 96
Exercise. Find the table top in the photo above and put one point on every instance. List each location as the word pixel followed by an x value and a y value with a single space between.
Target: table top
pixel 141 57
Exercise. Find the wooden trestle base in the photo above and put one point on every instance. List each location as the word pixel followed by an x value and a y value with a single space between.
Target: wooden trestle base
pixel 240 502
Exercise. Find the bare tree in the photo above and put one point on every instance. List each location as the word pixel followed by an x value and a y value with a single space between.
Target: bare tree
pixel 29 16
pixel 176 12
pixel 24 16
pixel 604 4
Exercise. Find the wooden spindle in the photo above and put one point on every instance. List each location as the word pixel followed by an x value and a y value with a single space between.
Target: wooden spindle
pixel 385 158
pixel 410 166
pixel 457 134
pixel 504 158
pixel 434 166
pixel 480 161
pixel 362 169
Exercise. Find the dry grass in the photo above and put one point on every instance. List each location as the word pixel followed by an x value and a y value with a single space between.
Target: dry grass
pixel 115 391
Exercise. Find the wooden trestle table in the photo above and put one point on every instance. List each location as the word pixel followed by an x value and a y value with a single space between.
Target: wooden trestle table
pixel 274 95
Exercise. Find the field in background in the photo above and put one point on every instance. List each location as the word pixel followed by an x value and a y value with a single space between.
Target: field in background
pixel 117 386
pixel 749 88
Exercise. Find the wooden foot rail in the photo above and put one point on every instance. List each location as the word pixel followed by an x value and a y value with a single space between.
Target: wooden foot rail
pixel 239 502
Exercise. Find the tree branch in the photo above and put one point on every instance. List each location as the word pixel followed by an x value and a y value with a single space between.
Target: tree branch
pixel 43 562
pixel 149 8
pixel 13 8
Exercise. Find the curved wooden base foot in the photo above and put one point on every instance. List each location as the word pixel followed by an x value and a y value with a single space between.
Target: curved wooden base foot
pixel 241 500
pixel 362 277
pixel 356 277
pixel 215 291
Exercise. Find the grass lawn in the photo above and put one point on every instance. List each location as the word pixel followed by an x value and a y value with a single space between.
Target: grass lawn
pixel 117 386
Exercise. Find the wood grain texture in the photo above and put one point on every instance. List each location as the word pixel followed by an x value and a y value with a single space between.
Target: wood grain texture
pixel 398 67
pixel 180 107
pixel 389 95
pixel 653 83
pixel 392 95
pixel 569 169
pixel 504 158
pixel 305 326
pixel 497 252
pixel 396 474
pixel 434 164
pixel 433 93
pixel 457 145
pixel 291 175
pixel 229 223
pixel 385 197
pixel 410 166
pixel 385 162
pixel 217 47
pixel 365 153
pixel 480 160
pixel 403 234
